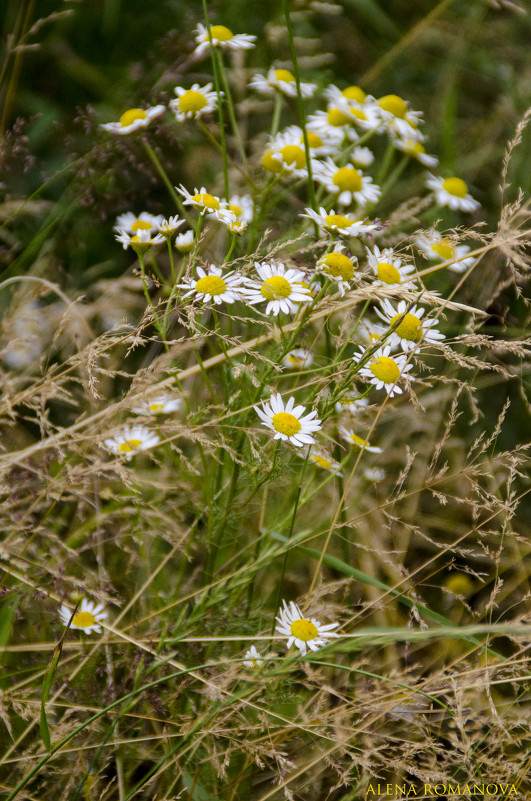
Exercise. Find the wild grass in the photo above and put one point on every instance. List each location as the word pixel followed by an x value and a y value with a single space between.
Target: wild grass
pixel 416 544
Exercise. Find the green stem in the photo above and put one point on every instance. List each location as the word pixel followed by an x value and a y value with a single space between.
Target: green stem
pixel 230 107
pixel 156 320
pixel 276 113
pixel 172 265
pixel 220 107
pixel 164 175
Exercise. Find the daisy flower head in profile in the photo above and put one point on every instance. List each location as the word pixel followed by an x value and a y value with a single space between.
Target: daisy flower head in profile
pixel 133 223
pixel 438 248
pixel 298 359
pixel 201 199
pixel 131 440
pixel 348 183
pixel 303 632
pixel 338 266
pixel 213 286
pixel 411 329
pixel 222 37
pixel 451 192
pixel 288 421
pixel 193 103
pixel 167 227
pixel 252 658
pixel 281 288
pixel 133 120
pixel 142 241
pixel 388 268
pixel 398 118
pixel 359 442
pixel 322 459
pixel 87 618
pixel 185 242
pixel 280 80
pixel 413 147
pixel 320 143
pixel 362 157
pixel 163 403
pixel 341 224
pixel 235 213
pixel 384 371
pixel 351 403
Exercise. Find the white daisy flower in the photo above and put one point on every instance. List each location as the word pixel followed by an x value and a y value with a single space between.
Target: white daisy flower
pixel 299 358
pixel 222 37
pixel 437 248
pixel 354 439
pixel 285 152
pixel 388 268
pixel 338 266
pixel 352 185
pixel 282 289
pixel 338 97
pixel 331 127
pixel 236 214
pixel 143 240
pixel 133 223
pixel 167 227
pixel 252 658
pixel 344 224
pixel 411 329
pixel 201 199
pixel 236 225
pixel 362 156
pixel 185 242
pixel 158 404
pixel 383 371
pixel 281 81
pixel 87 618
pixel 351 404
pixel 322 459
pixel 398 117
pixel 133 119
pixel 194 103
pixel 321 143
pixel 303 632
pixel 214 286
pixel 413 147
pixel 286 421
pixel 452 192
pixel 370 332
pixel 131 440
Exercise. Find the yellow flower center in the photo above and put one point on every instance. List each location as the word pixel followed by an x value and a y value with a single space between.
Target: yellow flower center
pixel 314 140
pixel 286 423
pixel 410 328
pixel 141 225
pixel 206 200
pixel 385 369
pixel 354 93
pixel 322 462
pixel 304 630
pixel 459 584
pixel 211 285
pixel 156 407
pixel 235 209
pixel 337 118
pixel 337 220
pixel 83 619
pixel 192 101
pixel 130 445
pixel 358 113
pixel 221 33
pixel 293 154
pixel 339 266
pixel 444 249
pixel 358 440
pixel 276 287
pixel 347 179
pixel 270 163
pixel 455 186
pixel 388 273
pixel 284 75
pixel 394 105
pixel 132 115
pixel 418 149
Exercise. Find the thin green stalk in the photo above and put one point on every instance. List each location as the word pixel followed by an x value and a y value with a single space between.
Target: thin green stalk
pixel 220 106
pixel 276 113
pixel 230 107
pixel 172 265
pixel 302 115
pixel 156 320
pixel 164 175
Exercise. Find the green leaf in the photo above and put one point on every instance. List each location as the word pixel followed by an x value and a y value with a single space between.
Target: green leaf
pixel 8 608
pixel 47 684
